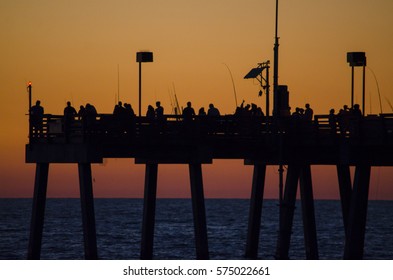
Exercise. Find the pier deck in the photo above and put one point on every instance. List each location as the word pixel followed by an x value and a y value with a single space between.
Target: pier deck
pixel 360 142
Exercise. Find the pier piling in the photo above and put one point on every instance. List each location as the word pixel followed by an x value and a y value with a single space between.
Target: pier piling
pixel 198 207
pixel 88 217
pixel 255 213
pixel 149 210
pixel 38 211
pixel 345 186
pixel 308 212
pixel 354 242
pixel 287 212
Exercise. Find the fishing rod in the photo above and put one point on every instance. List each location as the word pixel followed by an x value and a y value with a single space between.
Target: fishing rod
pixel 233 83
pixel 379 93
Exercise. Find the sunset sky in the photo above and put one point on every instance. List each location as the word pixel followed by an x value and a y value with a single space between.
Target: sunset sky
pixel 71 51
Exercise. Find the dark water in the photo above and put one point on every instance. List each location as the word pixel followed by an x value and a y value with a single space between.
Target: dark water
pixel 118 223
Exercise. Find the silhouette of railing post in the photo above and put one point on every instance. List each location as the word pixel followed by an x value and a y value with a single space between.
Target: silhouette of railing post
pixel 38 211
pixel 308 212
pixel 198 207
pixel 149 209
pixel 87 205
pixel 345 186
pixel 255 212
pixel 354 241
pixel 287 211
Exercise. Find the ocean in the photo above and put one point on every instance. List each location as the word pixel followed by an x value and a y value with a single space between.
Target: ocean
pixel 118 225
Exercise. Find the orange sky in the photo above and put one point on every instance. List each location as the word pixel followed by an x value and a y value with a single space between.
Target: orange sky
pixel 70 50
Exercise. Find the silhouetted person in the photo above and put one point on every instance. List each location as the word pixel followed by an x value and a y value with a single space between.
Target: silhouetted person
pixel 90 116
pixel 150 114
pixel 202 112
pixel 256 111
pixel 356 116
pixel 129 118
pixel 188 115
pixel 296 115
pixel 118 110
pixel 296 120
pixel 213 111
pixel 69 117
pixel 81 112
pixel 159 112
pixel 36 115
pixel 343 119
pixel 242 118
pixel 69 112
pixel 256 119
pixel 356 112
pixel 151 119
pixel 308 113
pixel 188 112
pixel 332 122
pixel 301 113
pixel 247 111
pixel 129 112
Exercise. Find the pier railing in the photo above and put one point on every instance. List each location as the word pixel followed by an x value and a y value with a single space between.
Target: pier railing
pixel 103 127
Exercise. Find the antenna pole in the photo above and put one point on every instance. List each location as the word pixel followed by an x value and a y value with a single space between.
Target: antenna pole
pixel 30 125
pixel 276 45
pixel 276 111
pixel 118 83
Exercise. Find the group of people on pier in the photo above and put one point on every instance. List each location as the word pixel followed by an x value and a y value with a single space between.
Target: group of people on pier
pixel 303 114
pixel 346 120
pixel 123 117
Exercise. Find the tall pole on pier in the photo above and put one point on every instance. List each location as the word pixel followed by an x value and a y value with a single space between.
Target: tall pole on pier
pixel 30 126
pixel 140 58
pixel 276 45
pixel 275 89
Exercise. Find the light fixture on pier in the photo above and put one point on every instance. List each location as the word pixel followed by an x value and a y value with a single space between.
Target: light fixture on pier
pixel 140 58
pixel 356 59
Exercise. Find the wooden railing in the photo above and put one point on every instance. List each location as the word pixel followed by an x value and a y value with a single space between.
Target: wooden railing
pixel 109 126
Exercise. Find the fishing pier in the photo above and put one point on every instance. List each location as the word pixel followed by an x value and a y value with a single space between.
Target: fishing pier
pixel 259 141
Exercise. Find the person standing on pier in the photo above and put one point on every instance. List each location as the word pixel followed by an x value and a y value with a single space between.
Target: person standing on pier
pixel 213 111
pixel 69 111
pixel 355 120
pixel 37 114
pixel 159 111
pixel 150 114
pixel 81 112
pixel 343 120
pixel 159 114
pixel 308 113
pixel 69 117
pixel 188 115
pixel 201 112
pixel 188 112
pixel 332 122
pixel 118 110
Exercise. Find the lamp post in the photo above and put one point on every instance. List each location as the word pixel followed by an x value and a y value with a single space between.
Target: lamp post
pixel 142 57
pixel 356 59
